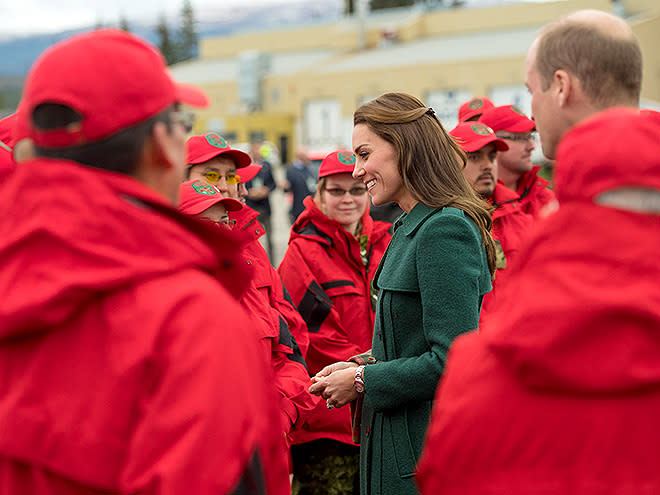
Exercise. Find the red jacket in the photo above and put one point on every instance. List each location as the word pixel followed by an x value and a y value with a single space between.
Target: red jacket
pixel 130 365
pixel 324 271
pixel 561 394
pixel 510 225
pixel 534 193
pixel 274 318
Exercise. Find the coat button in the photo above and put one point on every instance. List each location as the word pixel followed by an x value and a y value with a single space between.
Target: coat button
pixel 257 231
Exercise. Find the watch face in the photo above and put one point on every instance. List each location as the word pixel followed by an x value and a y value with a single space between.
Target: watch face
pixel 359 387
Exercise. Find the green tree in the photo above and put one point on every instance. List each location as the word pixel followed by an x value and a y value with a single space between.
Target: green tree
pixel 187 39
pixel 123 24
pixel 166 44
pixel 388 4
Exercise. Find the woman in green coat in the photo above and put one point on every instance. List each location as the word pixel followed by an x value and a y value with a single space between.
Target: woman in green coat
pixel 432 280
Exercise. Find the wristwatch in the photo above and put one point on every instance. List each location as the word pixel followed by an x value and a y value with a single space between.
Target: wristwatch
pixel 358 383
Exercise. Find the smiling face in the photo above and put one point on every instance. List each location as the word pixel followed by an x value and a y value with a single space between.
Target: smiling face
pixel 348 208
pixel 377 168
pixel 481 170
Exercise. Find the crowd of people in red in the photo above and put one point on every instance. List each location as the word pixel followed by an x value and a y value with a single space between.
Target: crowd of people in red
pixel 499 337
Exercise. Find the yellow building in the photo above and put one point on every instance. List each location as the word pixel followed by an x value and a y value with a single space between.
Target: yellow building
pixel 300 86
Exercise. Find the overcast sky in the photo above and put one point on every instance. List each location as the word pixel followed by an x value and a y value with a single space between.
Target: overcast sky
pixel 49 16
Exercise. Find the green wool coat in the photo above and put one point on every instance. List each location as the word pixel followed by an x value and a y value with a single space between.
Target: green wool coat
pixel 431 280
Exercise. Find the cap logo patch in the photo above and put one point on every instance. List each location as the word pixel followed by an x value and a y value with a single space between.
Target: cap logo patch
pixel 518 110
pixel 206 189
pixel 216 141
pixel 476 104
pixel 481 129
pixel 346 158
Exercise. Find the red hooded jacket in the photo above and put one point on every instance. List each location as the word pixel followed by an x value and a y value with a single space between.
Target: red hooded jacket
pixel 125 378
pixel 561 394
pixel 328 280
pixel 510 225
pixel 534 193
pixel 275 317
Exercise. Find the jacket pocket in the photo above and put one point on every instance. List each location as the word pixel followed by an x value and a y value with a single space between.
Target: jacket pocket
pixel 404 453
pixel 315 306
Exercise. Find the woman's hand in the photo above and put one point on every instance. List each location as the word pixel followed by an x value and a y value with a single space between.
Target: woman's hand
pixel 332 368
pixel 336 388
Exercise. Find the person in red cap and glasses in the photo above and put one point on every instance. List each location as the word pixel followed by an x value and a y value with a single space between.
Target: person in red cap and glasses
pixel 510 222
pixel 211 159
pixel 473 108
pixel 514 166
pixel 561 393
pixel 200 199
pixel 119 366
pixel 333 253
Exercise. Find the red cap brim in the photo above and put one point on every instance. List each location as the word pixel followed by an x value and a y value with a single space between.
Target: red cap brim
pixel 231 204
pixel 477 144
pixel 191 95
pixel 250 172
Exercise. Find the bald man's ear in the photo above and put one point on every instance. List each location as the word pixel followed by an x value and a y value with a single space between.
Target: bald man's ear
pixel 563 85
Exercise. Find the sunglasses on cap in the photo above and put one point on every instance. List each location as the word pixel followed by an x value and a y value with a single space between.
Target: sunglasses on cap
pixel 338 192
pixel 186 119
pixel 212 177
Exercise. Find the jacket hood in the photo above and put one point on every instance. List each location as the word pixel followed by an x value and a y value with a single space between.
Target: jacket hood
pixel 581 310
pixel 80 232
pixel 315 225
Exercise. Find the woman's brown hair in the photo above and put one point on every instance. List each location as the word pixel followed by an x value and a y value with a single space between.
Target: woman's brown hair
pixel 430 163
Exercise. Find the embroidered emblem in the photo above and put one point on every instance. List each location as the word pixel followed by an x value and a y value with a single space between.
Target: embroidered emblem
pixel 476 104
pixel 481 129
pixel 216 141
pixel 346 157
pixel 518 110
pixel 203 188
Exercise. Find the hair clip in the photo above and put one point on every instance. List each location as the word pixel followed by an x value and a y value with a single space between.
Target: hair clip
pixel 430 111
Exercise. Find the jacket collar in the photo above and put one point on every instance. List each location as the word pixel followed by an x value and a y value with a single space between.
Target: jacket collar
pixel 410 222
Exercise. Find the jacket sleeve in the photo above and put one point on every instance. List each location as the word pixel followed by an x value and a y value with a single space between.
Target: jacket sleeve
pixel 450 264
pixel 291 375
pixel 205 402
pixel 328 340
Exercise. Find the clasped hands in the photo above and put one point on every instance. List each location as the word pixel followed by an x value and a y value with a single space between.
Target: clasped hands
pixel 335 384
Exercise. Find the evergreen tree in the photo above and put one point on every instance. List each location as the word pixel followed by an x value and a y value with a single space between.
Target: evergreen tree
pixel 388 4
pixel 166 45
pixel 123 24
pixel 187 39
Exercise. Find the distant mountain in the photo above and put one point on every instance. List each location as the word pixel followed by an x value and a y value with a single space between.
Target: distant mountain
pixel 18 54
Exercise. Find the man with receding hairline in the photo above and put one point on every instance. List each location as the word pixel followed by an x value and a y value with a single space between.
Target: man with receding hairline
pixel 559 391
pixel 579 65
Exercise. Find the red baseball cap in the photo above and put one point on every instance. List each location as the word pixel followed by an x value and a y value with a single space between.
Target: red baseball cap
pixel 337 162
pixel 507 118
pixel 250 172
pixel 113 79
pixel 195 196
pixel 474 107
pixel 203 147
pixel 472 136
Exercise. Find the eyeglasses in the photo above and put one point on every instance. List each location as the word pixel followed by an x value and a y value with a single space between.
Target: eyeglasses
pixel 339 192
pixel 213 177
pixel 186 119
pixel 528 136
